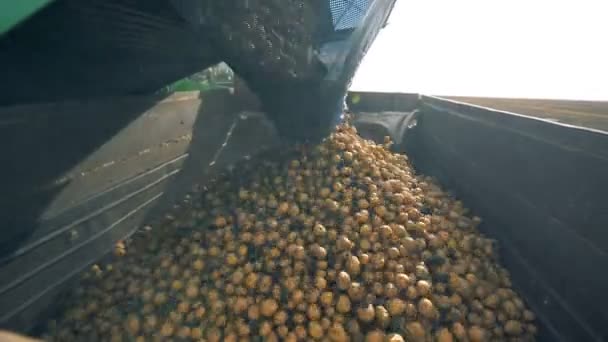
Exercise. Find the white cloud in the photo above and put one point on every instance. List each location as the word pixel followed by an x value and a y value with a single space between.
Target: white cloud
pixel 510 48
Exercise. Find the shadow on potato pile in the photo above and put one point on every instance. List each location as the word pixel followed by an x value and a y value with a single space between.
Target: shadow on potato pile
pixel 333 241
pixel 138 172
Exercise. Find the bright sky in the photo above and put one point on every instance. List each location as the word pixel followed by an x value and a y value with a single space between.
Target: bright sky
pixel 508 48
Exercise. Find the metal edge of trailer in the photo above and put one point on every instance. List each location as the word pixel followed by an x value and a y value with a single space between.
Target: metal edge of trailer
pixel 90 173
pixel 539 186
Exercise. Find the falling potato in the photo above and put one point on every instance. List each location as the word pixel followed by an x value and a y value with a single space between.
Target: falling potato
pixel 341 241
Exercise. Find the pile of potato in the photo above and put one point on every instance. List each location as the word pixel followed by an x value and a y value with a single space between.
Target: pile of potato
pixel 337 242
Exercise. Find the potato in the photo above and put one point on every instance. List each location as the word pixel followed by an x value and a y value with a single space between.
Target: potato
pixel 339 241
